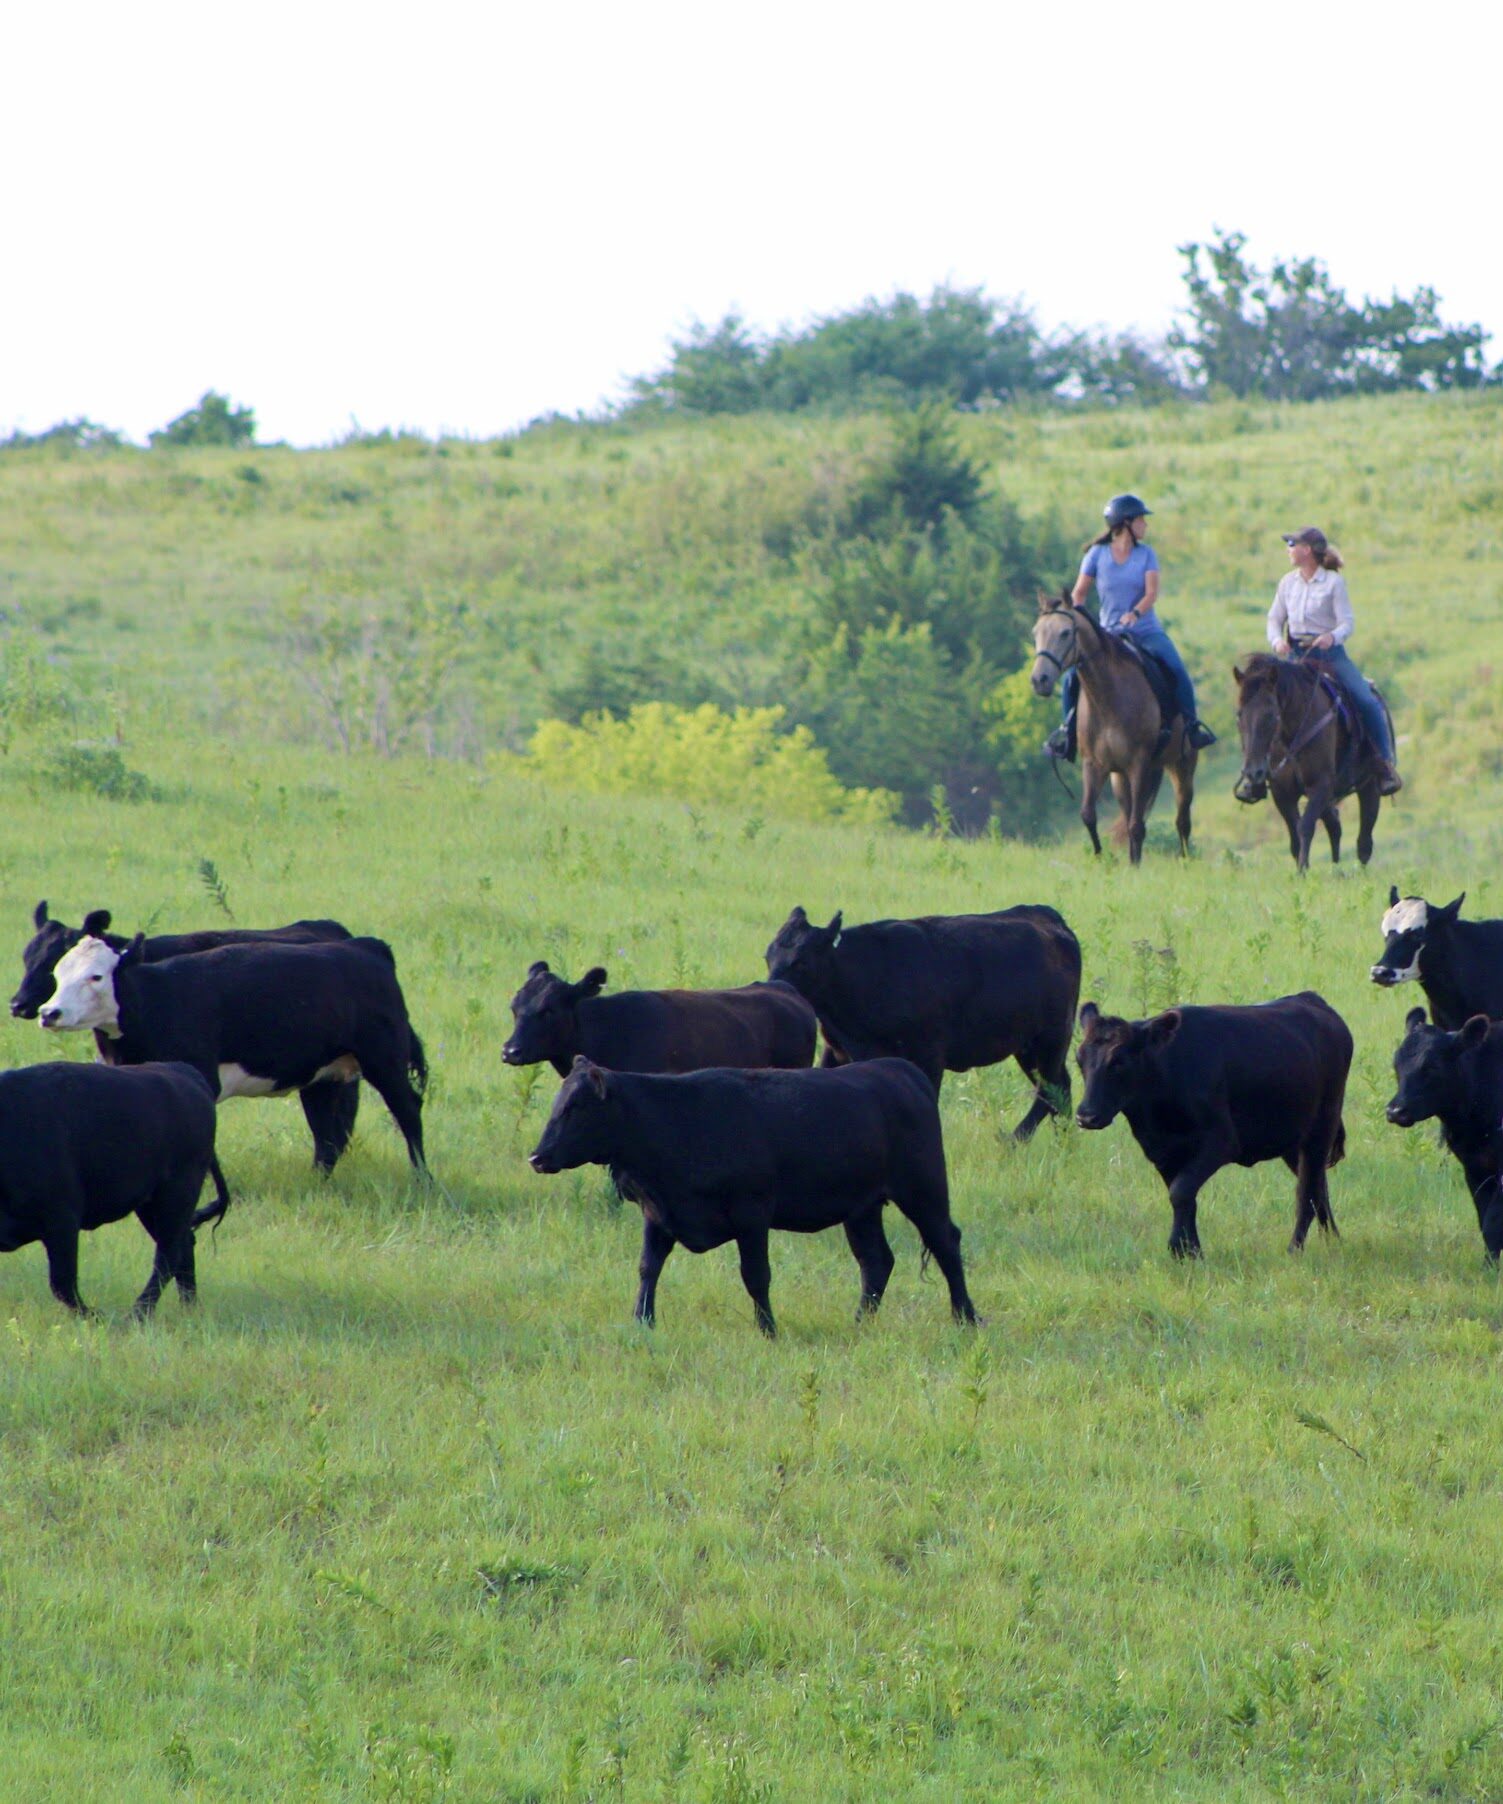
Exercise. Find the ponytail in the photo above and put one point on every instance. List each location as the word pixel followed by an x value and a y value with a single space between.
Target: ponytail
pixel 1105 538
pixel 1330 558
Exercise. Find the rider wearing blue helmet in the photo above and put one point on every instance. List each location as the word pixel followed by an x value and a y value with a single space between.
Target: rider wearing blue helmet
pixel 1125 570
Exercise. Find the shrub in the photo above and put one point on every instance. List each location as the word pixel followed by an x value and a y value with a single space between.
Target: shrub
pixel 703 754
pixel 215 421
pixel 98 770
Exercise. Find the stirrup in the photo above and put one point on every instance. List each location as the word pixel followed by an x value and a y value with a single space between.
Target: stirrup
pixel 1058 745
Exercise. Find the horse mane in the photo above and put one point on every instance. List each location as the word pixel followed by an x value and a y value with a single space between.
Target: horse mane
pixel 1109 642
pixel 1263 669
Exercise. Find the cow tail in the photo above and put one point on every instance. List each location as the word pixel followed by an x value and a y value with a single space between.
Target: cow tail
pixel 215 1212
pixel 1338 1146
pixel 417 1062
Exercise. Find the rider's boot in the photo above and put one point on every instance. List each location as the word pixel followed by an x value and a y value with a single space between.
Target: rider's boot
pixel 1389 780
pixel 1199 734
pixel 1061 742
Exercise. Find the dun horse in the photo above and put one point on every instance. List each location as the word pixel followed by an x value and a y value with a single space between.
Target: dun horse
pixel 1118 722
pixel 1296 742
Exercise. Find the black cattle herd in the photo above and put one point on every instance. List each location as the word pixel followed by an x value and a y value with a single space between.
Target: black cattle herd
pixel 705 1106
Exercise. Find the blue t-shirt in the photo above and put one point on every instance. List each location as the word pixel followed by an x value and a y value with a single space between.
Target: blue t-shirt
pixel 1121 586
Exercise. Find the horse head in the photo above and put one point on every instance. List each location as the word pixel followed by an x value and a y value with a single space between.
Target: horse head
pixel 1056 641
pixel 1259 716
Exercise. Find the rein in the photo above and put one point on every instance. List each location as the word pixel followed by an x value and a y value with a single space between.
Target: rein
pixel 1308 731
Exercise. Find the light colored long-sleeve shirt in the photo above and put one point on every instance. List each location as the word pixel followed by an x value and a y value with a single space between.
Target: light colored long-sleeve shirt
pixel 1305 610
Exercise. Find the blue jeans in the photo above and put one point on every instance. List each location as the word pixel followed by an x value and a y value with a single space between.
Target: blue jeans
pixel 1336 663
pixel 1162 647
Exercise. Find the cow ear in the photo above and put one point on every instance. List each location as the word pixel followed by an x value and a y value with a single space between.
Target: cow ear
pixel 39 914
pixel 1162 1028
pixel 837 920
pixel 1089 1016
pixel 539 968
pixel 592 982
pixel 597 1078
pixel 1415 1018
pixel 1452 909
pixel 1474 1031
pixel 135 952
pixel 96 923
pixel 797 914
pixel 1393 895
pixel 1236 676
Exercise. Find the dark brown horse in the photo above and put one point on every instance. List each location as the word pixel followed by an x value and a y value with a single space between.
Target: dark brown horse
pixel 1118 722
pixel 1297 743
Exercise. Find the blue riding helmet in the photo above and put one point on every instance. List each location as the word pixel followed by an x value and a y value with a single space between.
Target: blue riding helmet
pixel 1122 508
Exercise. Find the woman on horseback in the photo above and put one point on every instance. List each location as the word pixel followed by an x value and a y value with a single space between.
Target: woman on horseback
pixel 1312 616
pixel 1126 571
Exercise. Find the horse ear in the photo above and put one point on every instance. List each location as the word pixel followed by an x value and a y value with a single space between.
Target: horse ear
pixel 1393 895
pixel 39 916
pixel 1415 1018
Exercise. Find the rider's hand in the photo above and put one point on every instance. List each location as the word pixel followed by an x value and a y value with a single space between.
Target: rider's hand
pixel 1281 648
pixel 1324 642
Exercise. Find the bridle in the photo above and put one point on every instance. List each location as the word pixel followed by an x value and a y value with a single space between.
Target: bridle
pixel 1307 731
pixel 1078 656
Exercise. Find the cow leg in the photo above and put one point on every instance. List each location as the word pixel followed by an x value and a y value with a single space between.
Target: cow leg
pixel 166 1265
pixel 388 1078
pixel 756 1275
pixel 62 1269
pixel 1368 804
pixel 931 1216
pixel 1489 1200
pixel 657 1244
pixel 833 1056
pixel 1050 1074
pixel 329 1109
pixel 1090 788
pixel 1331 821
pixel 868 1242
pixel 1184 1200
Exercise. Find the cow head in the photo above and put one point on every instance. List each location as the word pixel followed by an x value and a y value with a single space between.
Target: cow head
pixel 1116 1058
pixel 85 994
pixel 579 1127
pixel 545 1014
pixel 46 946
pixel 1409 923
pixel 802 954
pixel 1431 1068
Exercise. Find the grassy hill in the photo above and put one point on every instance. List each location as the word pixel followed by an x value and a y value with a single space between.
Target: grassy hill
pixel 411 1510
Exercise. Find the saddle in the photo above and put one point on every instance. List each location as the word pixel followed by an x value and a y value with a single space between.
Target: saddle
pixel 1160 678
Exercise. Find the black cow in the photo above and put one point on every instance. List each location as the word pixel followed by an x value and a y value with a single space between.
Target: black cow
pixel 1459 1078
pixel 721 1155
pixel 82 1145
pixel 657 1030
pixel 1207 1087
pixel 1459 964
pixel 329 1108
pixel 949 992
pixel 255 1020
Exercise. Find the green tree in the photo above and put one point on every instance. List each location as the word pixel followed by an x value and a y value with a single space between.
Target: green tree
pixel 214 421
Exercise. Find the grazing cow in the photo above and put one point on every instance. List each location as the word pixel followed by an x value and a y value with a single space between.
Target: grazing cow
pixel 949 992
pixel 255 1020
pixel 330 1108
pixel 721 1155
pixel 1458 964
pixel 81 1145
pixel 1458 1076
pixel 657 1030
pixel 1207 1087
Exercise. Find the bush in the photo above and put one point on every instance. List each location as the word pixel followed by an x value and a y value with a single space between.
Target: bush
pixel 98 770
pixel 703 754
pixel 215 421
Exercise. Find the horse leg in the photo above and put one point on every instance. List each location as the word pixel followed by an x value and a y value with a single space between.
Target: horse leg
pixel 1331 821
pixel 1090 788
pixel 1287 802
pixel 1317 801
pixel 1368 804
pixel 1182 776
pixel 1140 788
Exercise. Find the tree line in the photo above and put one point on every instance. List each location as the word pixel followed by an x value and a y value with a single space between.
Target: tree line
pixel 1284 333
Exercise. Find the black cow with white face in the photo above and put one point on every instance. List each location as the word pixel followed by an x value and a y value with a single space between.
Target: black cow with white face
pixel 949 992
pixel 1206 1087
pixel 255 1020
pixel 760 1024
pixel 329 1108
pixel 714 1156
pixel 1458 964
pixel 82 1145
pixel 1457 1077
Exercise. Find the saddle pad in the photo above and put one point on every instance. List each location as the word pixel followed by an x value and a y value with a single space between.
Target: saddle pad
pixel 1160 677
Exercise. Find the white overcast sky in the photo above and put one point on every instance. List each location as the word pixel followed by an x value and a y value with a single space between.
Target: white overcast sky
pixel 455 217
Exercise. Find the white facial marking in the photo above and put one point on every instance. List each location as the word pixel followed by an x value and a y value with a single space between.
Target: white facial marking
pixel 84 995
pixel 1405 915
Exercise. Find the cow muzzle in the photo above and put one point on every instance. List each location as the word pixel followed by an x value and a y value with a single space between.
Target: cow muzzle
pixel 1088 1118
pixel 50 1017
pixel 509 1054
pixel 540 1162
pixel 1398 1115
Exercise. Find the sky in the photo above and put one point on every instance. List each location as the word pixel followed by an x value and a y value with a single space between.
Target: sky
pixel 455 218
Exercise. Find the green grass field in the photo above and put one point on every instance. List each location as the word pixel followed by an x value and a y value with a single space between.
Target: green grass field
pixel 411 1510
